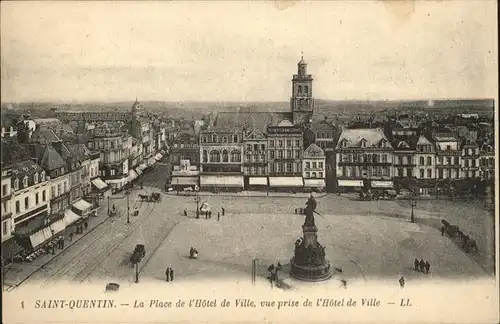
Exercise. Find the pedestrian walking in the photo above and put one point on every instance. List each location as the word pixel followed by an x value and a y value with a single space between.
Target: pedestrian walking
pixel 86 225
pixel 223 211
pixel 62 243
pixel 185 212
pixel 416 263
pixel 71 236
pixel 167 275
pixel 171 274
pixel 427 267
pixel 206 215
pixel 422 265
pixel 442 230
pixel 402 282
pixel 218 216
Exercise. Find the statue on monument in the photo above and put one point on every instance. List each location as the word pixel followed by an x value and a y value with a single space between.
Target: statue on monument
pixel 311 205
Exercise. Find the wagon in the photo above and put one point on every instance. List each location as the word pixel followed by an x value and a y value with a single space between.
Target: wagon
pixel 112 286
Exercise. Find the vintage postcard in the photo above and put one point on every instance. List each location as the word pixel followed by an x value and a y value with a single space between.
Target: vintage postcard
pixel 251 162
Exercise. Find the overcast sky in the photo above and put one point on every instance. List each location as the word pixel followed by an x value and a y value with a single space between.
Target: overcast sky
pixel 247 52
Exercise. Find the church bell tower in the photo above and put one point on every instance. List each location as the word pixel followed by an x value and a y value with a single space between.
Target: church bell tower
pixel 302 102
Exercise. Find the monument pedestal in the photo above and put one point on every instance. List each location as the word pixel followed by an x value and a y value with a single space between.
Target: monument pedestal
pixel 309 263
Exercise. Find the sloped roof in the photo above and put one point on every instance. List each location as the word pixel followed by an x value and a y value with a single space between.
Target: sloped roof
pixel 251 120
pixel 51 159
pixel 444 137
pixel 313 150
pixel 285 123
pixel 322 125
pixel 46 121
pixel 372 136
pixel 44 135
pixel 422 140
pixel 79 151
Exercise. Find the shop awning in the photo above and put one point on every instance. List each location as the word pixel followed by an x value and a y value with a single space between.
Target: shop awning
pixel 138 171
pixel 141 167
pixel 82 205
pixel 350 183
pixel 314 183
pixel 40 236
pixel 70 217
pixel 222 181
pixel 291 182
pixel 58 226
pixel 257 181
pixel 151 161
pixel 99 183
pixel 382 184
pixel 10 248
pixel 132 175
pixel 184 181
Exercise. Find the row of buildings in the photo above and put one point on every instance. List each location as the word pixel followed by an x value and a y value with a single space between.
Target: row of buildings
pixel 246 150
pixel 53 177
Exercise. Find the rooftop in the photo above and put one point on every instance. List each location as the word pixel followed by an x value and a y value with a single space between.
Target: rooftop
pixel 354 137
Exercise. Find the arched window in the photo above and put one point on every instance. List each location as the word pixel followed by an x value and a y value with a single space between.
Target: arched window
pixel 365 158
pixel 214 156
pixel 306 89
pixel 422 161
pixel 224 139
pixel 204 139
pixel 235 138
pixel 214 138
pixel 235 156
pixel 205 156
pixel 299 89
pixel 224 156
pixel 374 158
pixel 429 160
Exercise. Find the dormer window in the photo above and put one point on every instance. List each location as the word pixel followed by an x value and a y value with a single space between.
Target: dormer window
pixel 25 181
pixel 344 143
pixel 16 184
pixel 35 178
pixel 42 176
pixel 383 143
pixel 214 138
pixel 363 143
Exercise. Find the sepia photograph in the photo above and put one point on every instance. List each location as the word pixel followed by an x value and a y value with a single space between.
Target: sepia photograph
pixel 233 161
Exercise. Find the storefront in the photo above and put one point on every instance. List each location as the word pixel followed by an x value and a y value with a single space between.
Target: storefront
pixel 221 183
pixel 117 184
pixel 257 183
pixel 40 237
pixel 132 175
pixel 315 184
pixel 289 184
pixel 350 185
pixel 58 226
pixel 382 184
pixel 70 217
pixel 180 183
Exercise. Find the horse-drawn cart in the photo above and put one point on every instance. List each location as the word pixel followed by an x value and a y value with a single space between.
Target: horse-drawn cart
pixel 154 197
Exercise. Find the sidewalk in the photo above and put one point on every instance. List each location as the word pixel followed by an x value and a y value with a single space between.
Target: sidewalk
pixel 248 194
pixel 16 273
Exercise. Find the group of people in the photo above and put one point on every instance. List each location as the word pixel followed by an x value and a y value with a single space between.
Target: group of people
pixel 79 230
pixel 422 266
pixel 60 242
pixel 193 253
pixel 208 214
pixel 273 271
pixel 169 274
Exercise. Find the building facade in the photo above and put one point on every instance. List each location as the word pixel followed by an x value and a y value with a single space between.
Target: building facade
pixel 285 146
pixel 364 154
pixel 112 145
pixel 448 157
pixel 470 159
pixel 31 206
pixel 425 156
pixel 255 159
pixel 325 135
pixel 7 223
pixel 221 155
pixel 403 163
pixel 487 162
pixel 314 168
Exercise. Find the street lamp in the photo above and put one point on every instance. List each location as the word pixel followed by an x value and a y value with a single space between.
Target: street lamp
pixel 197 200
pixel 254 270
pixel 128 208
pixel 412 200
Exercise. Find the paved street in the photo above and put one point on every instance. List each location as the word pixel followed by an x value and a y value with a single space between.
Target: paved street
pixel 366 239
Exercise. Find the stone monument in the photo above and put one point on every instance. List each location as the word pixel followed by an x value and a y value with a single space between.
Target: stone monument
pixel 309 263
